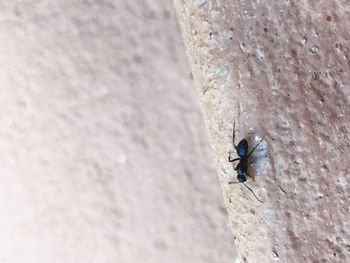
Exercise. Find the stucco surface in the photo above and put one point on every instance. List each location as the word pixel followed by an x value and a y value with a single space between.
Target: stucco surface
pixel 280 70
pixel 103 151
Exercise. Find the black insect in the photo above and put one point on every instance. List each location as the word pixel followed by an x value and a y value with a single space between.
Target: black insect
pixel 242 166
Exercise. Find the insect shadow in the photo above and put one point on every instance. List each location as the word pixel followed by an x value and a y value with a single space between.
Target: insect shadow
pixel 242 166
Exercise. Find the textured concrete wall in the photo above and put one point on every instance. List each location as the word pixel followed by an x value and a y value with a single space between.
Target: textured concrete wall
pixel 103 151
pixel 280 70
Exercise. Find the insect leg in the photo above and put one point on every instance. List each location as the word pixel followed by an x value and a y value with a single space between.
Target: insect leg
pixel 250 176
pixel 232 160
pixel 233 182
pixel 234 134
pixel 256 146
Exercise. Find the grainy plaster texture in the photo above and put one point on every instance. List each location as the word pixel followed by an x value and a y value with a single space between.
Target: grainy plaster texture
pixel 280 71
pixel 103 152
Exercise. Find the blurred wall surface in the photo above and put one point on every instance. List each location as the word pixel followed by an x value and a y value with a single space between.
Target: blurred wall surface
pixel 103 150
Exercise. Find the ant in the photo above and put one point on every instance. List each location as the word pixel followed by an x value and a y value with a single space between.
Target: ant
pixel 242 166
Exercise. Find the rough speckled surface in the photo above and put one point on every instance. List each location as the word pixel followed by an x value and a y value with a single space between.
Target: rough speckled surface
pixel 103 152
pixel 280 69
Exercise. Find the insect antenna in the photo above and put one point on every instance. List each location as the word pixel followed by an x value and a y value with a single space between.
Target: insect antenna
pixel 248 189
pixel 253 193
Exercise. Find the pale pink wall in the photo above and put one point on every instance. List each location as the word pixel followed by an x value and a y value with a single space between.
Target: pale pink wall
pixel 103 151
